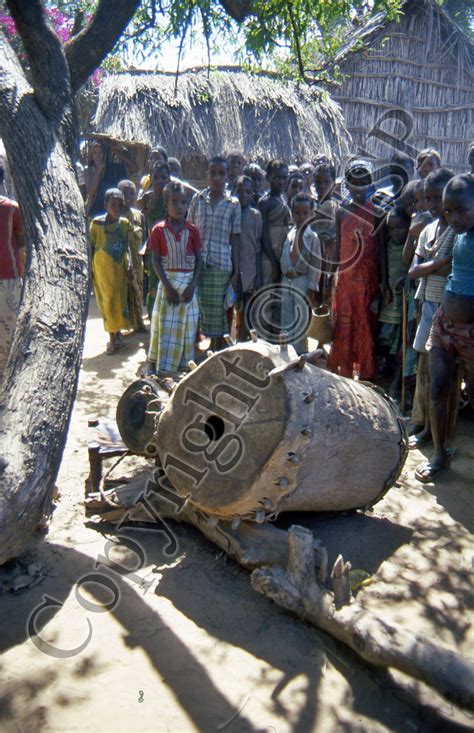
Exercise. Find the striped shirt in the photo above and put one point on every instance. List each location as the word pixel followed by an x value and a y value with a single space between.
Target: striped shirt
pixel 215 227
pixel 432 246
pixel 177 250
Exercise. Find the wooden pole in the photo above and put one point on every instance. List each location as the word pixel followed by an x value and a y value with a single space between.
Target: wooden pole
pixel 404 347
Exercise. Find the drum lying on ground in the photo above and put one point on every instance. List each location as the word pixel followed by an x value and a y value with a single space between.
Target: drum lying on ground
pixel 247 434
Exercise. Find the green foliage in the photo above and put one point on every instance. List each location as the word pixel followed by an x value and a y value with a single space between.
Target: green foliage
pixel 296 35
pixel 462 12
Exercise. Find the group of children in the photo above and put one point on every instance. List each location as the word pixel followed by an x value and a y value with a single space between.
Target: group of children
pixel 393 262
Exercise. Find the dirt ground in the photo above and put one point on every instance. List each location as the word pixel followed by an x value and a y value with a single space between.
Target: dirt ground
pixel 187 645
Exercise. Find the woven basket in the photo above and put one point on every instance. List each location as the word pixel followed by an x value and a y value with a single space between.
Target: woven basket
pixel 320 327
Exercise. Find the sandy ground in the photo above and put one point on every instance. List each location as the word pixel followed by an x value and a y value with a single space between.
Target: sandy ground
pixel 187 645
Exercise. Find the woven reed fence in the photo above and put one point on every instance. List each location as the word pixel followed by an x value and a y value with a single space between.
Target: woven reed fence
pixel 423 64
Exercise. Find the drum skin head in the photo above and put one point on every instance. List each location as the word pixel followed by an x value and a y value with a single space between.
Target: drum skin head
pixel 137 412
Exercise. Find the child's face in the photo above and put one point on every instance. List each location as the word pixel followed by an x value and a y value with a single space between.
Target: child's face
pixel 177 204
pixel 470 157
pixel 300 213
pixel 217 176
pixel 98 153
pixel 434 200
pixel 323 183
pixel 420 201
pixel 159 179
pixel 278 179
pixel 308 173
pixel 154 158
pixel 259 183
pixel 129 195
pixel 245 194
pixel 236 165
pixel 408 201
pixel 113 206
pixel 359 194
pixel 459 210
pixel 359 184
pixel 397 229
pixel 296 185
pixel 427 166
pixel 175 169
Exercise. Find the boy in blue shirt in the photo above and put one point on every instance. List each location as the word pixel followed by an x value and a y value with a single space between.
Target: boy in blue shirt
pixel 452 333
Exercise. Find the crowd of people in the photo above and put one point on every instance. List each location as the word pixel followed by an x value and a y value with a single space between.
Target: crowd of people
pixel 387 253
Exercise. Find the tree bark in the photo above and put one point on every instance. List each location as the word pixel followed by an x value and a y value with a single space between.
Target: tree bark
pixel 41 375
pixel 39 128
pixel 86 50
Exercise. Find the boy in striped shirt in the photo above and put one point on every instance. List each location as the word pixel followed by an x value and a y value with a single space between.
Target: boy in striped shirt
pixel 176 251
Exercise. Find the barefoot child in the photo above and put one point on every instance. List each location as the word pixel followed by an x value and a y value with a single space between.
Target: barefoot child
pixel 391 313
pixel 325 223
pixel 452 333
pixel 431 265
pixel 154 210
pixel 217 216
pixel 257 174
pixel 135 289
pixel 250 249
pixel 296 184
pixel 300 266
pixel 176 250
pixel 276 218
pixel 111 236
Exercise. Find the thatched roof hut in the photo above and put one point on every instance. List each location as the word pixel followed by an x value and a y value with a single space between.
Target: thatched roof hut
pixel 422 63
pixel 200 114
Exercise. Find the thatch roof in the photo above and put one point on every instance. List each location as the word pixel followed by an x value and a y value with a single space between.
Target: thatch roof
pixel 422 63
pixel 204 114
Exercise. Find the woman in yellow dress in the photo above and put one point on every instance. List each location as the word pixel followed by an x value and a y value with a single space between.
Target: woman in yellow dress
pixel 110 236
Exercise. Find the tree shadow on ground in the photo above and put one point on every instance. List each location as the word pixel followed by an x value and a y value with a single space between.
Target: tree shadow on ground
pixel 454 487
pixel 301 649
pixel 206 574
pixel 364 540
pixel 188 679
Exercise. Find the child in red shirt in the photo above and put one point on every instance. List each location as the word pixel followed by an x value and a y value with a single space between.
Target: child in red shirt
pixel 175 245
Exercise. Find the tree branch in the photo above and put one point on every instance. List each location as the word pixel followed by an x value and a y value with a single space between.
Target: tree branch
pixel 86 51
pixel 296 39
pixel 239 10
pixel 45 53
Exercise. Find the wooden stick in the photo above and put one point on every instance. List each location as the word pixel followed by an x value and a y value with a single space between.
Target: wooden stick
pixel 404 348
pixel 378 642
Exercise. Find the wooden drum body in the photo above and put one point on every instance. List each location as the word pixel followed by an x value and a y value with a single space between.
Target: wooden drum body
pixel 249 434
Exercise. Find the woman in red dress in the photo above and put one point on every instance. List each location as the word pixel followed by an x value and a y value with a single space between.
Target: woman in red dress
pixel 361 274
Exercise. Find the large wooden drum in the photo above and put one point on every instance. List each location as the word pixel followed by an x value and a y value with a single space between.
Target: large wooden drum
pixel 249 434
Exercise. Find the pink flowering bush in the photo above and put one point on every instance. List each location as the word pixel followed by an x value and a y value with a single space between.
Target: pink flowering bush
pixel 61 23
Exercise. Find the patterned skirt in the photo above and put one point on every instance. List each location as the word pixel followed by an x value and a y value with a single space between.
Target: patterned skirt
pixel 173 327
pixel 211 292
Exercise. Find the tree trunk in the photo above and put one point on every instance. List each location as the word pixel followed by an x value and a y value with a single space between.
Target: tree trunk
pixel 40 381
